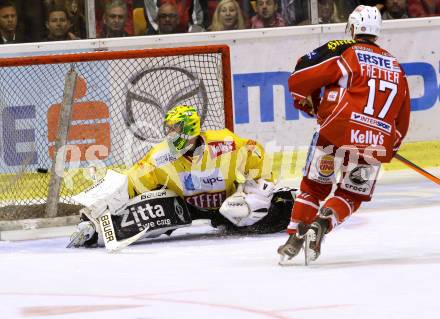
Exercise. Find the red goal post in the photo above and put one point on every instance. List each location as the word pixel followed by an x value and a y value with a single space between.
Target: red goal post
pixel 119 101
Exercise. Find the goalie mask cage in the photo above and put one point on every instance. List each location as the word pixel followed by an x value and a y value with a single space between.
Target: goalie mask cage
pixel 119 103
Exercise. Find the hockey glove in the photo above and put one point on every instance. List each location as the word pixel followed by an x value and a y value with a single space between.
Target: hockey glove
pixel 245 208
pixel 305 105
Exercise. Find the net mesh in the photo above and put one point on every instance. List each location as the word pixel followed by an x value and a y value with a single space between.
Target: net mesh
pixel 117 116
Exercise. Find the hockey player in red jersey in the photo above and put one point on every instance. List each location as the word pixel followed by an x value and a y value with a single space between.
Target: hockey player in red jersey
pixel 359 95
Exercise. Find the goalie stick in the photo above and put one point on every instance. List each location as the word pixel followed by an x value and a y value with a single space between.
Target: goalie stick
pixel 418 169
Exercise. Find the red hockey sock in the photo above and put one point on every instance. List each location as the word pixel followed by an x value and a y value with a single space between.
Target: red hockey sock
pixel 342 208
pixel 304 210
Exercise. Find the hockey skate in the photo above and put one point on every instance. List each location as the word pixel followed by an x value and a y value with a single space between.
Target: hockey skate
pixel 85 231
pixel 293 245
pixel 315 235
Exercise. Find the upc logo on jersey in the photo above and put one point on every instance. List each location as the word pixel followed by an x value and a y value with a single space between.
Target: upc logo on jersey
pixel 377 60
pixel 371 121
pixel 366 137
pixel 196 181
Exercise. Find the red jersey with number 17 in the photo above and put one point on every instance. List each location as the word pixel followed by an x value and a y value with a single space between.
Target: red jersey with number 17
pixel 364 95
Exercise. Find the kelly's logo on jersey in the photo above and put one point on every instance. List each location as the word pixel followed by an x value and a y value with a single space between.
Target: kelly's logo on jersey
pixel 218 148
pixel 371 121
pixel 366 137
pixel 377 60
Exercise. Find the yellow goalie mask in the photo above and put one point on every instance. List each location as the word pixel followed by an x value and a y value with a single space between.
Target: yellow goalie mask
pixel 182 124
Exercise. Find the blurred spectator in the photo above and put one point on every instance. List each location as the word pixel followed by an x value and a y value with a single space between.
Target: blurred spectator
pixel 326 10
pixel 167 19
pixel 380 4
pixel 31 19
pixel 100 8
pixel 139 21
pixel 267 15
pixel 227 16
pixel 75 12
pixel 423 8
pixel 247 9
pixel 395 9
pixel 58 25
pixel 190 15
pixel 114 18
pixel 294 11
pixel 8 23
pixel 343 8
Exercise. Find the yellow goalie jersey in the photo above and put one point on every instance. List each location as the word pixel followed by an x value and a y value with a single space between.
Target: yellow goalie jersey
pixel 205 179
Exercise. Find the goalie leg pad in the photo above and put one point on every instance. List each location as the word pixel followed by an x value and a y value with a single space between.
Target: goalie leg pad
pixel 152 213
pixel 147 215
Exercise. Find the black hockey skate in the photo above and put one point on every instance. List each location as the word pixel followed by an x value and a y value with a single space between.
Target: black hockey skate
pixel 315 235
pixel 293 245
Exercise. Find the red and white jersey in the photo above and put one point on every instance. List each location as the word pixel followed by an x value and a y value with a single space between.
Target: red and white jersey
pixel 364 94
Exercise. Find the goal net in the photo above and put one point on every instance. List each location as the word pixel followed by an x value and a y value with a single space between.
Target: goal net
pixel 119 103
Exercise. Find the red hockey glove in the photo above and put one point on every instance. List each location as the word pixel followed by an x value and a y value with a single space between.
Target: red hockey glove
pixel 305 105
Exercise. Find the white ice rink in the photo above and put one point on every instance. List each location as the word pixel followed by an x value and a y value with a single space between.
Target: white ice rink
pixel 384 263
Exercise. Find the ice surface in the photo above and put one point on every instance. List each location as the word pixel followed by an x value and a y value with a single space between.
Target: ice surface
pixel 383 263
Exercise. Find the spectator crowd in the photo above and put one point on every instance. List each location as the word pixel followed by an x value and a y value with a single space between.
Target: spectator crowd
pixel 54 20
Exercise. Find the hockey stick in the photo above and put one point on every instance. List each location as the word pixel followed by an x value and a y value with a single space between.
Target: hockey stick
pixel 418 169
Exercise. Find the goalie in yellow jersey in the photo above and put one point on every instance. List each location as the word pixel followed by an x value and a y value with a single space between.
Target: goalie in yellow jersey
pixel 211 174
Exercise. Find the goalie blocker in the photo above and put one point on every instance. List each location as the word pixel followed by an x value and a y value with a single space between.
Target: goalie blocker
pixel 147 215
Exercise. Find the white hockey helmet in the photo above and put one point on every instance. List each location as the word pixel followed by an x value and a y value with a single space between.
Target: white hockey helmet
pixel 365 20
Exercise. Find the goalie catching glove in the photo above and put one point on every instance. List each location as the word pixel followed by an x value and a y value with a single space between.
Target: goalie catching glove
pixel 249 204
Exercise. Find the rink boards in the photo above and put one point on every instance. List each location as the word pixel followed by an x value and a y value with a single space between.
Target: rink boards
pixel 261 63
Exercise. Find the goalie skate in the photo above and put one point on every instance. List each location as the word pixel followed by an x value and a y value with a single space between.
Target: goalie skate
pixel 83 234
